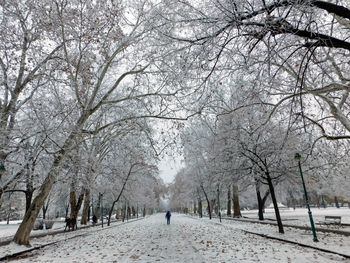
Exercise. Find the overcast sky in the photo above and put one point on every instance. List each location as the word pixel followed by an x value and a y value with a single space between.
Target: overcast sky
pixel 168 168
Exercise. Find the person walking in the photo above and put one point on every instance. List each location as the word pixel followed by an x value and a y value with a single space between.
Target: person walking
pixel 168 215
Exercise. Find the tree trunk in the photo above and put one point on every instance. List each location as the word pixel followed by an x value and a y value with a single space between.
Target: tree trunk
pixel 29 175
pixel 336 202
pixel 218 201
pixel 3 157
pixel 323 202
pixel 229 204
pixel 261 200
pixel 235 200
pixel 72 202
pixel 200 208
pixel 75 205
pixel 9 208
pixel 144 211
pixel 79 203
pixel 111 211
pixel 86 208
pixel 128 215
pixel 1 193
pixel 275 205
pixel 118 213
pixel 124 212
pixel 44 211
pixel 28 197
pixel 260 206
pixel 97 210
pixel 45 208
pixel 22 235
pixel 89 213
pixel 208 201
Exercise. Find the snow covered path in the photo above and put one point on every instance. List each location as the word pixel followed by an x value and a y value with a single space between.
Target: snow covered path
pixel 185 240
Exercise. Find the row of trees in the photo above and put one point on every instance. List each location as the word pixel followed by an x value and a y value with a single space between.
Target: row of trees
pixel 277 79
pixel 81 85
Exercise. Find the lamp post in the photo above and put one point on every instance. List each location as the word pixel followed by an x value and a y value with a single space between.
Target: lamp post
pixel 218 199
pixel 298 157
pixel 101 206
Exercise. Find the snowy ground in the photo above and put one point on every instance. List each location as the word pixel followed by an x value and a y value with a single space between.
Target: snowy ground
pixel 185 240
pixel 299 216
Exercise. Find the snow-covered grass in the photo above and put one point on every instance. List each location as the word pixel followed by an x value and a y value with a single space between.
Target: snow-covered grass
pixel 13 222
pixel 8 230
pixel 300 216
pixel 334 242
pixel 186 239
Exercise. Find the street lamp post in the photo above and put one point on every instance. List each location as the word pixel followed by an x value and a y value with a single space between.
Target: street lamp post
pixel 298 157
pixel 218 197
pixel 101 206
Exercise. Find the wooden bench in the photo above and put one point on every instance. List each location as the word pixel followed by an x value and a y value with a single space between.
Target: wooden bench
pixel 331 221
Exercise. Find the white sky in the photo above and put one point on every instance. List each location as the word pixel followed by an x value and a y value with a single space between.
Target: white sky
pixel 168 167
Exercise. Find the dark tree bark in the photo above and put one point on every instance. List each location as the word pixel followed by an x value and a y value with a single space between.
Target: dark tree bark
pixel 97 210
pixel 277 27
pixel 274 201
pixel 124 211
pixel 85 217
pixel 323 202
pixel 128 215
pixel 1 193
pixel 336 202
pixel 208 201
pixel 45 208
pixel 29 174
pixel 333 8
pixel 235 200
pixel 261 200
pixel 229 204
pixel 75 205
pixel 200 208
pixel 29 198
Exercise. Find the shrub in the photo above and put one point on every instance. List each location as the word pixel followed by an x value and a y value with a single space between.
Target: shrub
pixel 49 224
pixel 39 224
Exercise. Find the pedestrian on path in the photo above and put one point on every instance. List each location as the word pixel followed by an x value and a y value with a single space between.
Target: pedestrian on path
pixel 168 215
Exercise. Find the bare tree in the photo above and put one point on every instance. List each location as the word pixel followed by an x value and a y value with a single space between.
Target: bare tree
pixel 26 51
pixel 108 70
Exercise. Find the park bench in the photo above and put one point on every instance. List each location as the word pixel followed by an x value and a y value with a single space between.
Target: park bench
pixel 331 221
